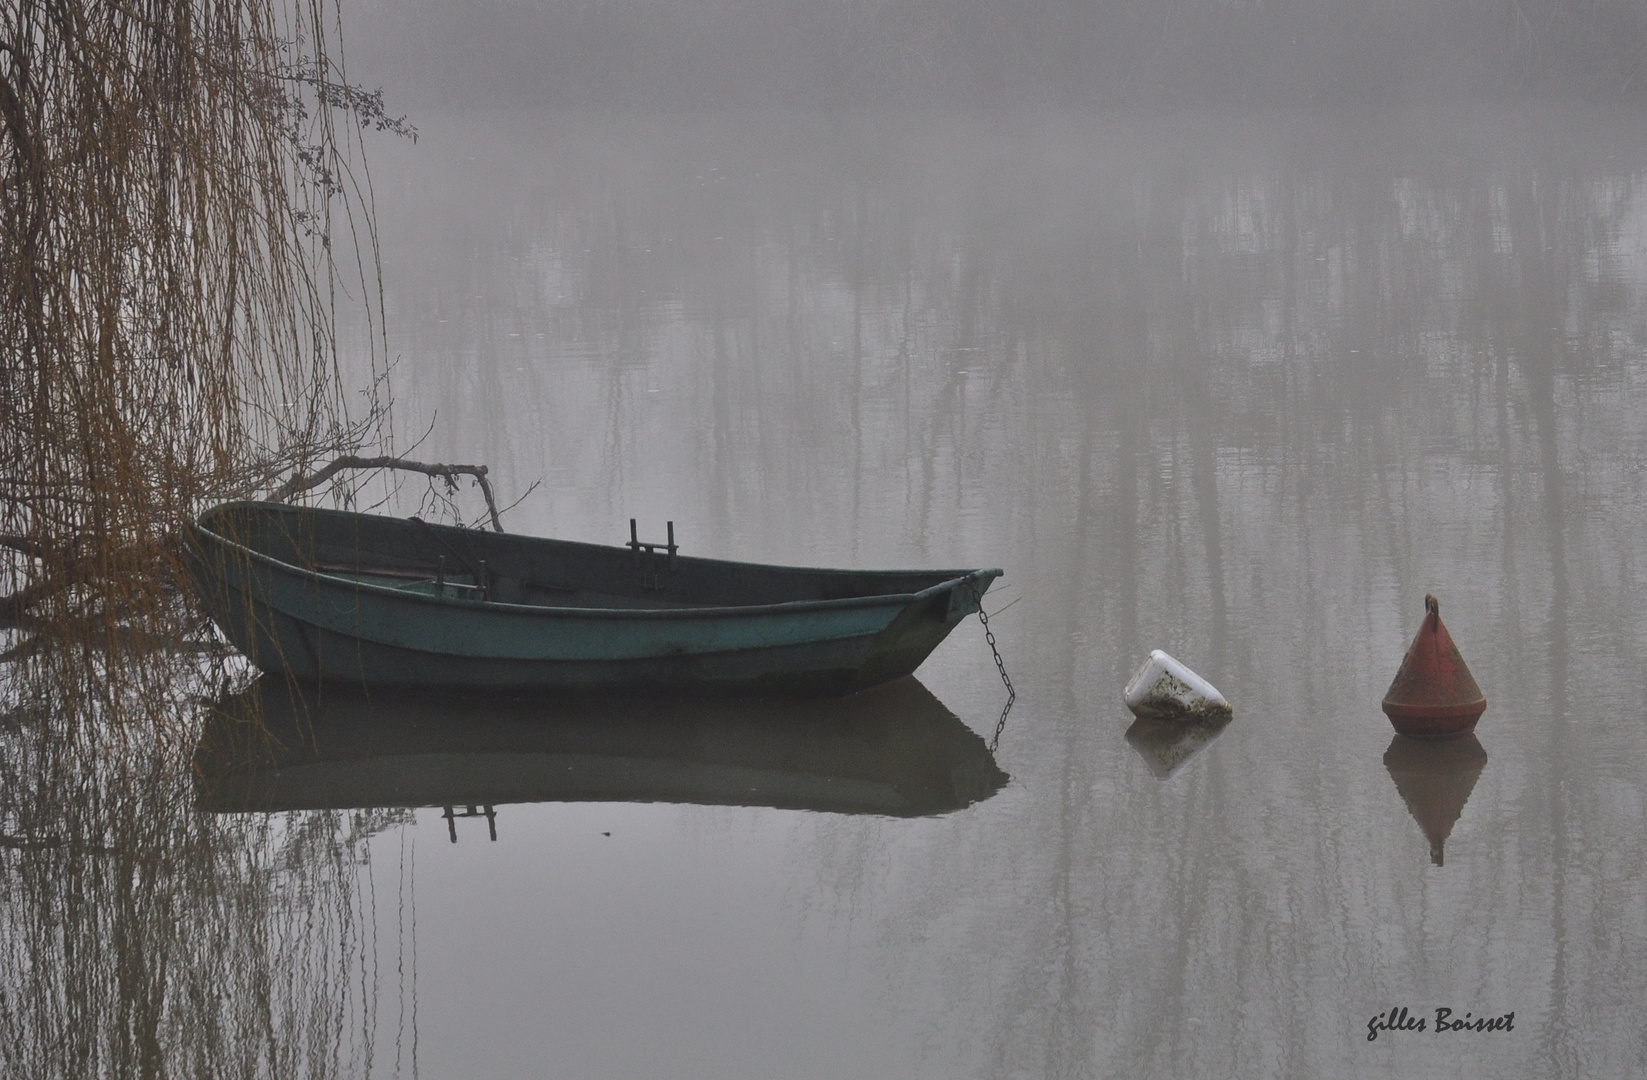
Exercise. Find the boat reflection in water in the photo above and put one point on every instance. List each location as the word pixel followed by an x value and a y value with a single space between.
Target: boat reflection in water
pixel 1168 745
pixel 893 750
pixel 1435 779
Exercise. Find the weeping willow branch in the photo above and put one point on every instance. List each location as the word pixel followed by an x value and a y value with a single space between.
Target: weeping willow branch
pixel 185 219
pixel 185 213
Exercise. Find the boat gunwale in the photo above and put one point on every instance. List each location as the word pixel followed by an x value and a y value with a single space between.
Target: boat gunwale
pixel 739 611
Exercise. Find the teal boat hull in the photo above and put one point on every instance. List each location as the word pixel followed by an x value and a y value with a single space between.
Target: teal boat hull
pixel 326 595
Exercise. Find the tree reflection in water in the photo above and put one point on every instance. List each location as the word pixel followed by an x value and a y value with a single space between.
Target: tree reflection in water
pixel 140 937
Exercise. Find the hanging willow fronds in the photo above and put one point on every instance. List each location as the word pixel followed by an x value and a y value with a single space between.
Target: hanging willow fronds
pixel 184 222
pixel 184 213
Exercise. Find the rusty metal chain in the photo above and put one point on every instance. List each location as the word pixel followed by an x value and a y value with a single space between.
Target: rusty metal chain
pixel 1000 665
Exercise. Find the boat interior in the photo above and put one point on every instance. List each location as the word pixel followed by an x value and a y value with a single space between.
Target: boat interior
pixel 471 564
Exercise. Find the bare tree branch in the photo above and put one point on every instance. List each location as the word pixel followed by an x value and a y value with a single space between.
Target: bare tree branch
pixel 25 544
pixel 14 607
pixel 302 482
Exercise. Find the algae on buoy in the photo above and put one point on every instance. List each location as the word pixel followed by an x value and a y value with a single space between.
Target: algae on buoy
pixel 1433 695
pixel 1435 780
pixel 1164 689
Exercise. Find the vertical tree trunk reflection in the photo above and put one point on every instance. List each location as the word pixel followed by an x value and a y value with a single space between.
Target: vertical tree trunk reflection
pixel 140 937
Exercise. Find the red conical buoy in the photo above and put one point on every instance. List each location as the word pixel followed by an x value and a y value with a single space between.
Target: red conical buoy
pixel 1433 695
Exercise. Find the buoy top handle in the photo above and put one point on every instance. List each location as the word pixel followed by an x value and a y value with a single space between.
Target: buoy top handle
pixel 1432 605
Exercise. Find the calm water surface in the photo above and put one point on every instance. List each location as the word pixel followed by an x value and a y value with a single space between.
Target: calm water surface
pixel 1239 388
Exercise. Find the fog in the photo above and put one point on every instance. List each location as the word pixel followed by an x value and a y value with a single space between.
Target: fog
pixel 1239 385
pixel 1230 329
pixel 669 54
pixel 1225 328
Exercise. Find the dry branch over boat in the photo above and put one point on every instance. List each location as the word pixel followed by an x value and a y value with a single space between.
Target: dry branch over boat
pixel 302 482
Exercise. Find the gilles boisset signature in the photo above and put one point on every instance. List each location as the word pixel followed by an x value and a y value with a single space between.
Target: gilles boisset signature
pixel 1401 1020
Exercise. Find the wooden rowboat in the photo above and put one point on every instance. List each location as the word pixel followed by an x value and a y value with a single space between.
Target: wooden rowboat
pixel 328 595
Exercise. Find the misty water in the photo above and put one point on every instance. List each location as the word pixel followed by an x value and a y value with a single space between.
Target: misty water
pixel 1244 388
pixel 1241 387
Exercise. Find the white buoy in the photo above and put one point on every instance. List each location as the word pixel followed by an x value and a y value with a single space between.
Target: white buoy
pixel 1164 689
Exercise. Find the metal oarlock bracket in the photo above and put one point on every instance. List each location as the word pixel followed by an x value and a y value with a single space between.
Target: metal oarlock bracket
pixel 637 546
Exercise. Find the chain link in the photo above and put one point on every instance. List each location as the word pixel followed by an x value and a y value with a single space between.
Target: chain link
pixel 1000 665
